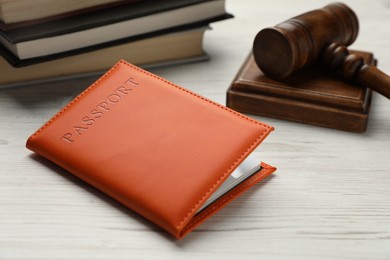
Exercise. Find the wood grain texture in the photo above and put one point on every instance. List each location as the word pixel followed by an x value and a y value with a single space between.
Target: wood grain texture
pixel 329 198
pixel 299 41
pixel 312 95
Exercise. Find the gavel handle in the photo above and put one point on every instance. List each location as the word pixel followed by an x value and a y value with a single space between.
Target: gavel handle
pixel 354 67
pixel 375 79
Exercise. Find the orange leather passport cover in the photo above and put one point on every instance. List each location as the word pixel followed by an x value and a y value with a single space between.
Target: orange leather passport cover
pixel 159 149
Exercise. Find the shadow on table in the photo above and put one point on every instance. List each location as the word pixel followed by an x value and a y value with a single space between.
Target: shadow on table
pixel 107 199
pixel 196 234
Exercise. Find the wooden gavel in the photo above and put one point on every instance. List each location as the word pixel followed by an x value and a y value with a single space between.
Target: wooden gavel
pixel 318 35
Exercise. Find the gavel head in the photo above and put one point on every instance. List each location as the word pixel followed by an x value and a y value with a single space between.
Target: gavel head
pixel 299 41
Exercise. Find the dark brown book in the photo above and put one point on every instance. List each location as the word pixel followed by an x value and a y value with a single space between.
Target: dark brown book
pixel 24 13
pixel 312 96
pixel 167 49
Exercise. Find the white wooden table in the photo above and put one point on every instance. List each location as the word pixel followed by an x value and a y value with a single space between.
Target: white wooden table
pixel 329 199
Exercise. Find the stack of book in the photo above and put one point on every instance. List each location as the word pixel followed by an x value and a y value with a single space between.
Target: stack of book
pixel 44 40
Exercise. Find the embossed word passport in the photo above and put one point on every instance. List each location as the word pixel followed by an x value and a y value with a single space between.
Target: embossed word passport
pixel 168 154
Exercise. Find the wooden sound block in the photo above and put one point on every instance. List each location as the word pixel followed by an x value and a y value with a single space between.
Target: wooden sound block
pixel 312 96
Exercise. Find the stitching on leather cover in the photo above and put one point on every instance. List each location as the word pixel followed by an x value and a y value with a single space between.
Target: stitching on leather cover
pixel 216 206
pixel 212 208
pixel 219 180
pixel 182 89
pixel 220 106
pixel 193 94
pixel 73 101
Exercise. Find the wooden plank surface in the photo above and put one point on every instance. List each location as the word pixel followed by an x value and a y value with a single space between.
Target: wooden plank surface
pixel 329 199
